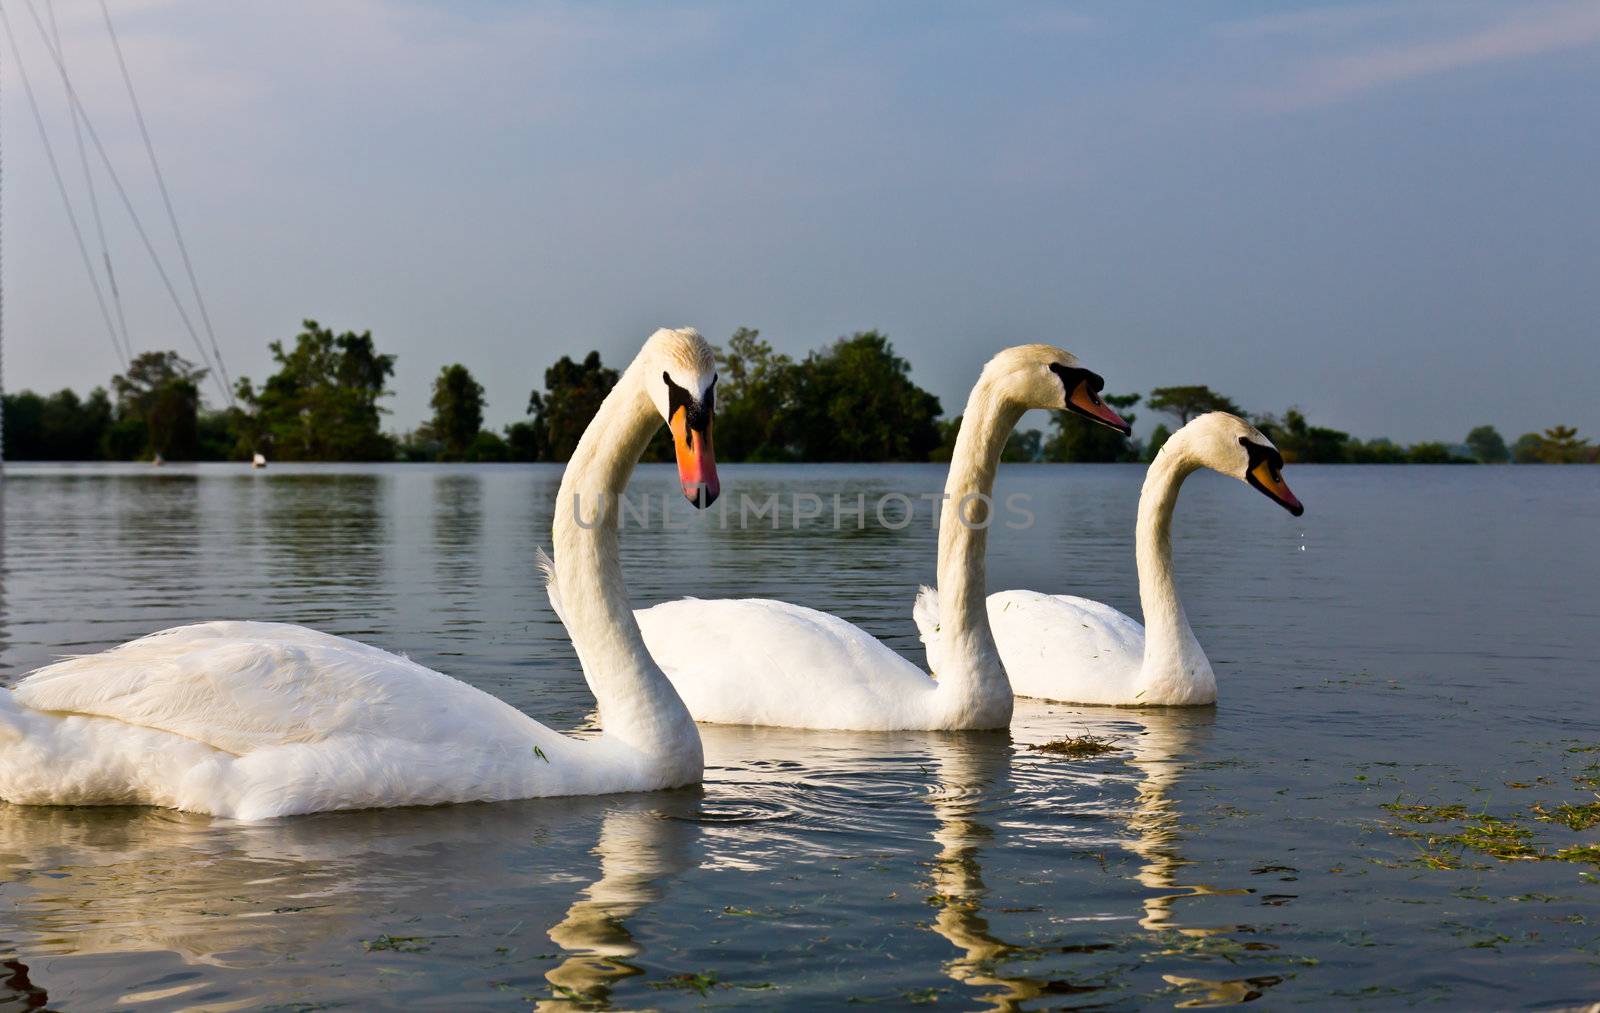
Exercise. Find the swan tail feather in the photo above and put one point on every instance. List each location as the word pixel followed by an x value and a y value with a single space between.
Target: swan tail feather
pixel 926 614
pixel 11 719
pixel 552 588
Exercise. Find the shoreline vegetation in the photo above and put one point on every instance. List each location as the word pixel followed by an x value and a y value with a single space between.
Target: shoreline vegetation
pixel 850 401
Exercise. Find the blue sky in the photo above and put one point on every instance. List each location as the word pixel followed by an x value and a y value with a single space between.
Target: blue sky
pixel 1386 214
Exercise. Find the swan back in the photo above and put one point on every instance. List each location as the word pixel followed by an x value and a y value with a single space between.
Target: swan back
pixel 240 686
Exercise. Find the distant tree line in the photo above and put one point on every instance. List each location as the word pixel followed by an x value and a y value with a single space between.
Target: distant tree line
pixel 852 400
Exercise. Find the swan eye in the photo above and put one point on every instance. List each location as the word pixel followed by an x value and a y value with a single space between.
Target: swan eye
pixel 697 414
pixel 1265 472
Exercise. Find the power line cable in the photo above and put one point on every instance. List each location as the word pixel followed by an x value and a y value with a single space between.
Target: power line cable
pixel 61 186
pixel 166 199
pixel 127 204
pixel 94 197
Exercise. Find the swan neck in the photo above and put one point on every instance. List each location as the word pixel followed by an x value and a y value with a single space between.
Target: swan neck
pixel 970 661
pixel 637 703
pixel 1167 634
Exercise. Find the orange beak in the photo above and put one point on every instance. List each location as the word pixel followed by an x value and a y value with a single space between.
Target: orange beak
pixel 697 465
pixel 1275 488
pixel 1087 403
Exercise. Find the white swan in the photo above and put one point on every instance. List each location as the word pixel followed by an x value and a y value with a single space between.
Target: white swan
pixel 255 720
pixel 1060 647
pixel 761 662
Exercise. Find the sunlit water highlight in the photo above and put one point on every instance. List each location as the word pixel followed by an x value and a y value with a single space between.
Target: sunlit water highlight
pixel 1434 642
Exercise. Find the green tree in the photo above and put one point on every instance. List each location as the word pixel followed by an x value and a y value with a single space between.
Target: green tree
pixel 855 402
pixel 419 446
pixel 1433 453
pixel 1301 442
pixel 1079 440
pixel 949 429
pixel 522 442
pixel 1378 451
pixel 1526 449
pixel 457 410
pixel 24 427
pixel 1563 446
pixel 61 427
pixel 572 394
pixel 161 392
pixel 1488 445
pixel 487 448
pixel 75 429
pixel 322 403
pixel 219 436
pixel 1158 439
pixel 1184 403
pixel 756 390
pixel 1024 446
pixel 1556 445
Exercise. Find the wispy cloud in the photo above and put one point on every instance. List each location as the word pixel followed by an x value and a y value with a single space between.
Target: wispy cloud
pixel 1530 31
pixel 1320 22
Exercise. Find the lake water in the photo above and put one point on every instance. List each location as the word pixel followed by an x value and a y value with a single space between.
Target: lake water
pixel 1421 637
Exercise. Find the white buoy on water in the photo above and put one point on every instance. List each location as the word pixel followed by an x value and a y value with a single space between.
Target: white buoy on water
pixel 258 461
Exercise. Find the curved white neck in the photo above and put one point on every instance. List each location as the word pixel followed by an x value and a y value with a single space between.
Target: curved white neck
pixel 638 706
pixel 1174 665
pixel 970 671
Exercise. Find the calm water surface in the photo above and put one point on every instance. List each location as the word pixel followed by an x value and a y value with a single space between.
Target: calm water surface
pixel 1422 637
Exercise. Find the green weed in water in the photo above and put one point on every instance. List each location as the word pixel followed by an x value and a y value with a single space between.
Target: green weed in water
pixel 397 944
pixel 1077 748
pixel 1575 817
pixel 702 983
pixel 1506 839
pixel 1427 813
pixel 1581 853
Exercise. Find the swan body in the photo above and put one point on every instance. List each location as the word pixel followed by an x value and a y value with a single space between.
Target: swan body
pixel 796 667
pixel 255 720
pixel 1074 650
pixel 761 662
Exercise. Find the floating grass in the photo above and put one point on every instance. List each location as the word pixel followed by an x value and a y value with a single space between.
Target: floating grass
pixel 702 983
pixel 1574 817
pixel 397 944
pixel 1589 853
pixel 1078 747
pixel 1454 831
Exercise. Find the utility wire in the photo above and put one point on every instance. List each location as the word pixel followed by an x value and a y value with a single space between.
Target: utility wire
pixel 127 203
pixel 166 199
pixel 61 186
pixel 94 197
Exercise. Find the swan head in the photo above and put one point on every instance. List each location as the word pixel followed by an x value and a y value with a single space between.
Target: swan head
pixel 1232 446
pixel 680 374
pixel 1044 376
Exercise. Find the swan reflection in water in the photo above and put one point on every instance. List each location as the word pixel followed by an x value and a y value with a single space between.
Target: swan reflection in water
pixel 985 788
pixel 640 852
pixel 133 900
pixel 1159 743
pixel 169 891
pixel 975 807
